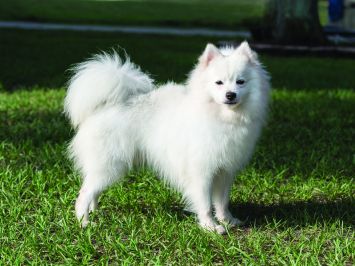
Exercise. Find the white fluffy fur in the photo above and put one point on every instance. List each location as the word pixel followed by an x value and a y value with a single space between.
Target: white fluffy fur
pixel 190 134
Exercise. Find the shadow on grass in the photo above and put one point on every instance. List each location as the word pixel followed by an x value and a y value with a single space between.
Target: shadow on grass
pixel 169 58
pixel 300 213
pixel 36 127
pixel 310 133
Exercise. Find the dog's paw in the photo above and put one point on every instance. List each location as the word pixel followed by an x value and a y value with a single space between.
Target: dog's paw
pixel 234 222
pixel 229 220
pixel 84 223
pixel 213 227
pixel 220 229
pixel 93 205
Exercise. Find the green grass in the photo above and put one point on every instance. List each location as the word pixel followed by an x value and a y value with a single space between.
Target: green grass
pixel 20 50
pixel 184 13
pixel 225 13
pixel 297 193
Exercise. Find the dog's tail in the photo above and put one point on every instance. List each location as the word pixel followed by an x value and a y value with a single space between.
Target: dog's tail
pixel 103 80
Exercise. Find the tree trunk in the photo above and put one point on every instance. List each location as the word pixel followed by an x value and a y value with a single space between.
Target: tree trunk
pixel 294 22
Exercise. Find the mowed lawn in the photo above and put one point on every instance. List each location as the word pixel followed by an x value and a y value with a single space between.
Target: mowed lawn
pixel 296 195
pixel 233 14
pixel 224 13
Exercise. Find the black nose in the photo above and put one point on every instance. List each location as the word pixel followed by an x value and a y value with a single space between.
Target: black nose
pixel 231 95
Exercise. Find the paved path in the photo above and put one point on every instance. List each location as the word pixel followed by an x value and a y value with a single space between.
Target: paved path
pixel 125 29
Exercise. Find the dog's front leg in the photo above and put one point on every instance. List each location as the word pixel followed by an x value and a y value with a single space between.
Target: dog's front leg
pixel 222 185
pixel 199 195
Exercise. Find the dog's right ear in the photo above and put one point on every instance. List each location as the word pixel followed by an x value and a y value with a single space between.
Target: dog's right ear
pixel 245 49
pixel 210 53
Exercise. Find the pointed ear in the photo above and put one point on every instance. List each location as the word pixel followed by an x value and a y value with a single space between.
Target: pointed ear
pixel 210 53
pixel 245 49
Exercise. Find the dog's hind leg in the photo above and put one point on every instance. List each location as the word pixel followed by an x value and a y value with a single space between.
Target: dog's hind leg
pixel 87 200
pixel 91 189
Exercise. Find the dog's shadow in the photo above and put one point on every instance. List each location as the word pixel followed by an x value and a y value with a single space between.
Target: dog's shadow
pixel 300 214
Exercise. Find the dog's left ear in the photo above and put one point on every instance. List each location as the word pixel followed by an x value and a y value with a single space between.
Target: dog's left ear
pixel 210 53
pixel 245 49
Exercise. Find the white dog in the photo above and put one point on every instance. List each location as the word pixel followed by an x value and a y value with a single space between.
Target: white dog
pixel 196 136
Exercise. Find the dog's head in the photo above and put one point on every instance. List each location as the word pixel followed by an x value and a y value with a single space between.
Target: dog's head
pixel 230 76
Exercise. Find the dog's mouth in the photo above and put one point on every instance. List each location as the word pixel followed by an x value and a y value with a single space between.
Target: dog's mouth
pixel 231 102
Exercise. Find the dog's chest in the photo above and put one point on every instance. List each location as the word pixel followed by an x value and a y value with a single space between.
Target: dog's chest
pixel 224 145
pixel 231 138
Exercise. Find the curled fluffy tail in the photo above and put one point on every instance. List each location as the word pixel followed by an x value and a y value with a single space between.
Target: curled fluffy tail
pixel 100 81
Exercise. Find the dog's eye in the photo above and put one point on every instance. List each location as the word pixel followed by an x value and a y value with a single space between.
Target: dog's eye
pixel 240 81
pixel 219 82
